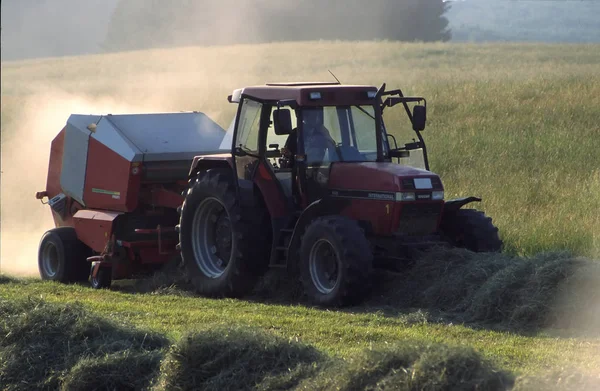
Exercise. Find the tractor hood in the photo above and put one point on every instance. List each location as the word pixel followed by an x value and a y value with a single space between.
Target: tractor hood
pixel 371 176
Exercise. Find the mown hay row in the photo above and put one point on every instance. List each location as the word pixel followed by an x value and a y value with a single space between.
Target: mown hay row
pixel 236 359
pixel 547 290
pixel 47 346
pixel 44 346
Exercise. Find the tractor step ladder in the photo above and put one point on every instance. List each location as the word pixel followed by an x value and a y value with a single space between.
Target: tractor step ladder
pixel 282 247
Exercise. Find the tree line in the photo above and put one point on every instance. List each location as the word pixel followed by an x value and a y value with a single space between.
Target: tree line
pixel 140 24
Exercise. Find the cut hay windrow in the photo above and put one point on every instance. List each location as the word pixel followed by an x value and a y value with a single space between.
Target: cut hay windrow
pixel 547 290
pixel 46 346
pixel 237 359
pixel 125 370
pixel 413 367
pixel 558 381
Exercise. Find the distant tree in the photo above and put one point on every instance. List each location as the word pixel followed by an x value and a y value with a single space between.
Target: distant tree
pixel 138 24
pixel 418 20
pixel 403 20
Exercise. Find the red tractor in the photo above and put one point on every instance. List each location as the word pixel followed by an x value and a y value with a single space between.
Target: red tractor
pixel 306 178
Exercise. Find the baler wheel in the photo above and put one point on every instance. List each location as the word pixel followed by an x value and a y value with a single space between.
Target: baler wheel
pixel 471 229
pixel 335 261
pixel 62 257
pixel 224 246
pixel 102 280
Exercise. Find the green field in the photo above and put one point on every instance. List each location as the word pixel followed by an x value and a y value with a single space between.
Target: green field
pixel 516 124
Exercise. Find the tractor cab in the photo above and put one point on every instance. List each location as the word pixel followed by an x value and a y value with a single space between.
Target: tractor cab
pixel 300 131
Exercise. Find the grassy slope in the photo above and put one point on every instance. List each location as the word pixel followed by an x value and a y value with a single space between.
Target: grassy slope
pixel 515 124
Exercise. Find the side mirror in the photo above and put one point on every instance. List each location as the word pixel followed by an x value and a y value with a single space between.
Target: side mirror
pixel 419 117
pixel 399 153
pixel 282 120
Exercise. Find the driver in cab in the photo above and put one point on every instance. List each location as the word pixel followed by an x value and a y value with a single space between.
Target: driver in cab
pixel 317 139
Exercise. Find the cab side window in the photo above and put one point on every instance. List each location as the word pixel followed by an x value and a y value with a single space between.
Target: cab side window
pixel 249 125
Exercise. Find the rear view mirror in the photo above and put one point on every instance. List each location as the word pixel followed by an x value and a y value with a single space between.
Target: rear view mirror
pixel 282 120
pixel 419 117
pixel 399 153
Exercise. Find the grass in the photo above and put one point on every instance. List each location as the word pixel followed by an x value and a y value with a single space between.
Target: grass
pixel 70 337
pixel 527 315
pixel 43 346
pixel 513 123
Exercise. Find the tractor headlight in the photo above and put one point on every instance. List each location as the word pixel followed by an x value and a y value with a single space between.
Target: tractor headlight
pixel 405 196
pixel 437 195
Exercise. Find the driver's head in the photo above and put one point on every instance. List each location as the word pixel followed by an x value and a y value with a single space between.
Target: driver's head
pixel 313 119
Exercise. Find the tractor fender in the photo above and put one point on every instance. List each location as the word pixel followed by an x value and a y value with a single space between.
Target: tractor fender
pixel 207 162
pixel 313 211
pixel 452 206
pixel 245 188
pixel 247 193
pixel 224 162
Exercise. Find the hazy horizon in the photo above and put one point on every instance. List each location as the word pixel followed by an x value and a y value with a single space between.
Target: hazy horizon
pixel 44 28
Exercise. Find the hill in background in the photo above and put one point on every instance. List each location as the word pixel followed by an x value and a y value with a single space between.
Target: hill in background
pixel 44 28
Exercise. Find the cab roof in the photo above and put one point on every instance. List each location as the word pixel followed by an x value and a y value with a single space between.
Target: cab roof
pixel 309 93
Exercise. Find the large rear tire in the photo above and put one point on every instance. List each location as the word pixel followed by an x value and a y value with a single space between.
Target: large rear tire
pixel 335 262
pixel 224 247
pixel 62 257
pixel 471 229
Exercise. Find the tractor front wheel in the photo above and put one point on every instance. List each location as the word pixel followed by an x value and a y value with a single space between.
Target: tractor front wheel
pixel 471 229
pixel 335 261
pixel 62 257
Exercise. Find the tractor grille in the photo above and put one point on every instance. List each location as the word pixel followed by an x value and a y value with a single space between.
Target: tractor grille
pixel 419 219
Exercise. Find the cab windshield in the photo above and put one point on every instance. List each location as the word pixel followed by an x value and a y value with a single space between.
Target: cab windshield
pixel 342 133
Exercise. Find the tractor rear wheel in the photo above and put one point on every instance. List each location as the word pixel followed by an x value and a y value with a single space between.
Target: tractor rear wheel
pixel 471 229
pixel 224 247
pixel 335 261
pixel 62 256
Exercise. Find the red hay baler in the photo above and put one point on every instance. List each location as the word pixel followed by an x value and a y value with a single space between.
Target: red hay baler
pixel 114 185
pixel 341 196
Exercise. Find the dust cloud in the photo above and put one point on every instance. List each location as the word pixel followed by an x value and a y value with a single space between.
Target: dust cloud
pixel 25 156
pixel 39 96
pixel 46 28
